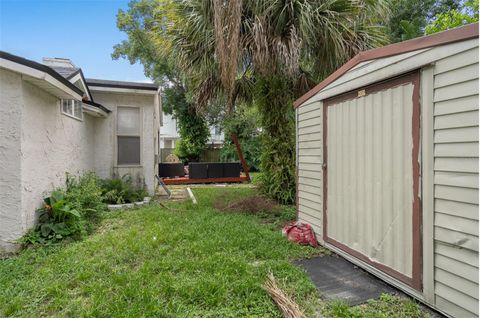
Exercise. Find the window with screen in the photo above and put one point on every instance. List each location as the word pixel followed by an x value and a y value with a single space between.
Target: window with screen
pixel 72 107
pixel 128 135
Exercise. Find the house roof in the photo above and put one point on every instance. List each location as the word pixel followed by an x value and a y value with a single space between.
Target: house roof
pixel 121 84
pixel 455 35
pixel 67 72
pixel 42 68
pixel 62 74
pixel 91 103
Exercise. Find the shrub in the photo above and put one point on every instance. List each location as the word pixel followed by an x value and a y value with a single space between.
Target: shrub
pixel 119 191
pixel 66 212
pixel 244 122
pixel 192 126
pixel 274 100
pixel 86 193
pixel 251 150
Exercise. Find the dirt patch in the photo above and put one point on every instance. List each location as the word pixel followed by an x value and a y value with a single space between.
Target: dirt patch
pixel 250 205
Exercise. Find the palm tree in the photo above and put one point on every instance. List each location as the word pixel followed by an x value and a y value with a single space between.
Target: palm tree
pixel 271 52
pixel 304 39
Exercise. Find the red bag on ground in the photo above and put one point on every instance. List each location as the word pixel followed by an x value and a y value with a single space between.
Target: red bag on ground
pixel 300 232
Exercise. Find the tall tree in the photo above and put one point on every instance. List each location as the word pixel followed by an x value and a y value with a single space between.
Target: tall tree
pixel 408 18
pixel 453 18
pixel 265 52
pixel 149 26
pixel 281 50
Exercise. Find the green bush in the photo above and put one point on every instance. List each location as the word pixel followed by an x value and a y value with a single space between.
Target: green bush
pixel 119 191
pixel 251 151
pixel 244 122
pixel 69 212
pixel 192 126
pixel 86 193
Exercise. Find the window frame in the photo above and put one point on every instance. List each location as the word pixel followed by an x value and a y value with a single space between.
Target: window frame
pixel 140 136
pixel 72 103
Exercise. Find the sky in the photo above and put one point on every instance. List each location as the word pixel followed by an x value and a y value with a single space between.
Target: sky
pixel 84 31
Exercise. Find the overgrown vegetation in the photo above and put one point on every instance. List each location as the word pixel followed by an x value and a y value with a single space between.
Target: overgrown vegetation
pixel 266 54
pixel 148 25
pixel 274 101
pixel 408 18
pixel 190 261
pixel 68 213
pixel 269 211
pixel 229 50
pixel 465 13
pixel 245 124
pixel 192 126
pixel 121 190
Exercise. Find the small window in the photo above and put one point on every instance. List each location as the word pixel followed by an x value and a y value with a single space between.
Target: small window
pixel 128 136
pixel 128 150
pixel 72 107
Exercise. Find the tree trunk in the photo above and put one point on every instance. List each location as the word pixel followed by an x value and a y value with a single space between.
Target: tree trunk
pixel 274 97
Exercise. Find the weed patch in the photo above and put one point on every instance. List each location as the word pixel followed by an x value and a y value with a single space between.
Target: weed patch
pixel 267 210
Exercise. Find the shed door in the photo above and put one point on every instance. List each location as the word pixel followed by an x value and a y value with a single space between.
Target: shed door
pixel 372 209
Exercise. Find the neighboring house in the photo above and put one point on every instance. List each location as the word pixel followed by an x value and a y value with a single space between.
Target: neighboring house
pixel 387 166
pixel 216 137
pixel 169 133
pixel 53 121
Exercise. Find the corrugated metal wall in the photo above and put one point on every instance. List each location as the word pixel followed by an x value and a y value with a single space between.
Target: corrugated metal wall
pixel 369 194
pixel 309 163
pixel 456 183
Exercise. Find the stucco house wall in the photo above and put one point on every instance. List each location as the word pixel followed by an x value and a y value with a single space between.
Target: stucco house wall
pixel 11 225
pixel 105 142
pixel 40 145
pixel 53 144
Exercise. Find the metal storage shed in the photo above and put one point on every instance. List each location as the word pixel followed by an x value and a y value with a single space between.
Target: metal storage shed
pixel 387 166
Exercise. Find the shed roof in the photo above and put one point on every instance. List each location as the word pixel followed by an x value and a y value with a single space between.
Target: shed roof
pixel 455 35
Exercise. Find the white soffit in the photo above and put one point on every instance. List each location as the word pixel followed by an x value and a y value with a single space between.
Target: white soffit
pixel 93 111
pixel 84 88
pixel 122 90
pixel 40 79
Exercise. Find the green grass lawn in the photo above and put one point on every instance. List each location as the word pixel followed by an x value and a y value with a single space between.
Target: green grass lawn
pixel 193 261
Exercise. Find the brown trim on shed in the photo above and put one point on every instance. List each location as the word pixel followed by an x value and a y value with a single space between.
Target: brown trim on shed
pixel 382 267
pixel 413 77
pixel 469 31
pixel 417 210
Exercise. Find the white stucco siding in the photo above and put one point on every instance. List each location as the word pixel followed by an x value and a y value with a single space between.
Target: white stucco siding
pixel 11 224
pixel 105 143
pixel 38 146
pixel 53 144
